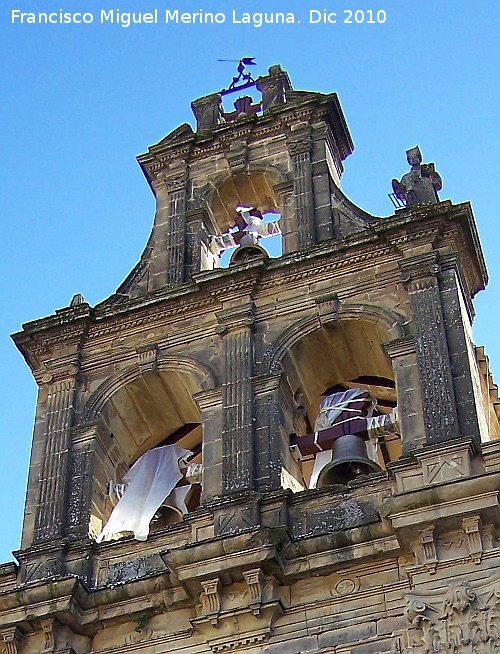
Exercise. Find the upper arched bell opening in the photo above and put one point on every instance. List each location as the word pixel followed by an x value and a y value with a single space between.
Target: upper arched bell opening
pixel 253 189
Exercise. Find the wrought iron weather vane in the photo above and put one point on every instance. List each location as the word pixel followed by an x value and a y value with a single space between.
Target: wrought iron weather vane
pixel 244 79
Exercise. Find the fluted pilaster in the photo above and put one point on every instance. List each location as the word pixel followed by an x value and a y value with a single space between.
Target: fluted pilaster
pixel 52 502
pixel 236 326
pixel 299 146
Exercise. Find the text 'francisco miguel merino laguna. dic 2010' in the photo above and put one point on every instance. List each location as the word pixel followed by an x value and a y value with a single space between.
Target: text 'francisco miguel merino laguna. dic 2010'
pixel 176 16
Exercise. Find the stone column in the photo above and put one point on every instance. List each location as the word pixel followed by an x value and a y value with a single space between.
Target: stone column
pixel 409 398
pixel 176 234
pixel 270 440
pixel 299 146
pixel 323 158
pixel 158 264
pixel 53 485
pixel 236 326
pixel 420 275
pixel 210 406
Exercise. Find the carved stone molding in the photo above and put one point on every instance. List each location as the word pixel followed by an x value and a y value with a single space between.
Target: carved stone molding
pixel 463 618
pixel 239 628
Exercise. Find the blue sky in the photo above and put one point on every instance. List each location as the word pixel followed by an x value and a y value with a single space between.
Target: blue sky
pixel 81 101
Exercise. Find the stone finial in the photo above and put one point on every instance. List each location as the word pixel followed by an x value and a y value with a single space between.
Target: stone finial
pixel 77 299
pixel 421 184
pixel 273 87
pixel 208 112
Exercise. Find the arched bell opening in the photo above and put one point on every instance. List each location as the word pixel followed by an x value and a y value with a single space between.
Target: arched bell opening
pixel 245 211
pixel 252 189
pixel 143 416
pixel 340 370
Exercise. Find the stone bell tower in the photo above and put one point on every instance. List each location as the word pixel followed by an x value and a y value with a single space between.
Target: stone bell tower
pixel 317 428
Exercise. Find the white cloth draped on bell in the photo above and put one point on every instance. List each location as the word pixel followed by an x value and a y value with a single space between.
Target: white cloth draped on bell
pixel 150 483
pixel 333 405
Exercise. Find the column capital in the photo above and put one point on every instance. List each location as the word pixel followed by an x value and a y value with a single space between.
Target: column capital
pixel 299 139
pixel 421 267
pixel 400 347
pixel 236 317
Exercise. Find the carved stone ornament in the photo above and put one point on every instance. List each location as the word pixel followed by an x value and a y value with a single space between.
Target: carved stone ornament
pixel 463 619
pixel 11 637
pixel 148 357
pixel 237 156
pixel 328 306
pixel 300 145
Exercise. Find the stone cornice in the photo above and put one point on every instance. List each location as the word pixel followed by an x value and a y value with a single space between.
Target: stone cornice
pixel 442 225
pixel 74 326
pixel 310 107
pixel 40 340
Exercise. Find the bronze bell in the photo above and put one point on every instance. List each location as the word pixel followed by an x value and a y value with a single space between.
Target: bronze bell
pixel 349 461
